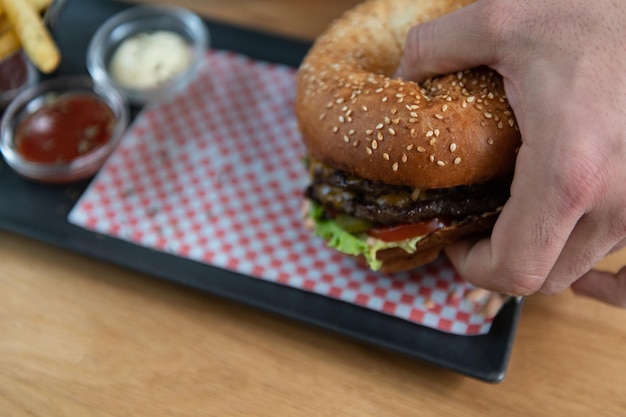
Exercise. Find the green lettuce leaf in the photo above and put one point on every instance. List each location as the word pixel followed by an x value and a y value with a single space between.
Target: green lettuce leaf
pixel 356 244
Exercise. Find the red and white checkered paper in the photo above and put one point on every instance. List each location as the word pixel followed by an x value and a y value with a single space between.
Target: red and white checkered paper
pixel 216 175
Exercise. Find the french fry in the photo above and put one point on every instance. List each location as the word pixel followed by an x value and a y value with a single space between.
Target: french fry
pixel 32 34
pixel 4 25
pixel 8 44
pixel 40 6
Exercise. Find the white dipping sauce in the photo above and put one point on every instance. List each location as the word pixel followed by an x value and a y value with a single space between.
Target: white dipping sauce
pixel 148 59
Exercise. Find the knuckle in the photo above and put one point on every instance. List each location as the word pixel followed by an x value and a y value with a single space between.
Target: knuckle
pixel 553 288
pixel 520 281
pixel 524 284
pixel 582 182
pixel 419 49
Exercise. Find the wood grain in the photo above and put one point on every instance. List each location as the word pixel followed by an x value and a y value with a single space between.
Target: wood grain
pixel 80 337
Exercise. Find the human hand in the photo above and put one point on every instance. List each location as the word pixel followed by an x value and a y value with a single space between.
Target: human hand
pixel 564 69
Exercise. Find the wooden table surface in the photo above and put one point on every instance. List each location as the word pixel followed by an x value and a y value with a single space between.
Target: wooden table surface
pixel 79 337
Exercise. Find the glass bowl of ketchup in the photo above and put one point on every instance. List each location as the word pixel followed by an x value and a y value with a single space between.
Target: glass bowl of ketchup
pixel 62 130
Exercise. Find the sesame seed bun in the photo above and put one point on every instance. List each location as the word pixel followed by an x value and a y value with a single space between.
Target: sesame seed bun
pixel 355 116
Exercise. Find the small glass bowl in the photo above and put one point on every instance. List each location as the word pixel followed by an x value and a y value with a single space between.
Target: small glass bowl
pixel 16 74
pixel 32 99
pixel 145 19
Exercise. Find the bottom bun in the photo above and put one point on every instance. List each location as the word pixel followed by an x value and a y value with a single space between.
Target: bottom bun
pixel 430 247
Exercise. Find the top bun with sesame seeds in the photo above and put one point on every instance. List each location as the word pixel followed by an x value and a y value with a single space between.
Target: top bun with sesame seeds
pixel 354 115
pixel 399 169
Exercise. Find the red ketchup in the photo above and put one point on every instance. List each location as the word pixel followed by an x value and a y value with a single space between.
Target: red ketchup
pixel 65 128
pixel 13 72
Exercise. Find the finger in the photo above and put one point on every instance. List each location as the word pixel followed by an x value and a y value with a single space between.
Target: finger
pixel 620 245
pixel 592 237
pixel 455 41
pixel 526 240
pixel 603 286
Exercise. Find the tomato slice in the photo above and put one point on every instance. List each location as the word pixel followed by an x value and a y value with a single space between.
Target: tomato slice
pixel 407 231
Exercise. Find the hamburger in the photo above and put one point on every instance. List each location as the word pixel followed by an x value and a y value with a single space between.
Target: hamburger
pixel 399 169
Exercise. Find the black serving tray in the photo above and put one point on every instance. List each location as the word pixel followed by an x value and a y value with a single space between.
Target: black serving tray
pixel 40 212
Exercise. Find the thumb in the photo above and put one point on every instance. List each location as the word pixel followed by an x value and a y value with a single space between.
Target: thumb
pixel 456 41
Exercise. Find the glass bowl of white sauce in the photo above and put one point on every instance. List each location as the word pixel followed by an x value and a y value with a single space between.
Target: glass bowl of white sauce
pixel 148 52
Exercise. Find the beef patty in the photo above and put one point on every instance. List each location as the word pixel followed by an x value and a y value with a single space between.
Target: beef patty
pixel 387 205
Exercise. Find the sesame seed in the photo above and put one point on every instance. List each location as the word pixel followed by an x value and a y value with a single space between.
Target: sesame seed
pixel 341 119
pixel 413 133
pixel 379 90
pixel 374 144
pixel 452 147
pixel 432 158
pixel 490 141
pixel 393 132
pixel 364 108
pixel 471 99
pixel 429 133
pixel 464 104
pixel 490 96
pixel 355 143
pixel 344 108
pixel 511 122
pixel 368 150
pixel 387 120
pixel 394 166
pixel 500 124
pixel 438 116
pixel 488 115
pixel 384 99
pixel 436 133
pixel 412 120
pixel 421 149
pixel 414 106
pixel 413 114
pixel 349 113
pixel 380 126
pixel 379 136
pixel 386 156
pixel 409 147
pixel 444 107
pixel 441 163
pixel 329 105
pixel 369 131
pixel 346 139
pixel 394 111
pixel 457 161
pixel 479 106
pixel 432 142
pixel 404 158
pixel 395 121
pixel 351 132
pixel 339 100
pixel 335 129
